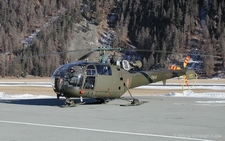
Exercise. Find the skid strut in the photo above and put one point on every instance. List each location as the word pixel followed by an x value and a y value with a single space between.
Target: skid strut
pixel 134 101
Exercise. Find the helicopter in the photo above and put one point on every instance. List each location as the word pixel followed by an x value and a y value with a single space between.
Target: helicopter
pixel 102 80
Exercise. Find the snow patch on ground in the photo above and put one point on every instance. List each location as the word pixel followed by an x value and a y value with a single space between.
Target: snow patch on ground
pixel 4 96
pixel 211 102
pixel 211 87
pixel 15 84
pixel 190 93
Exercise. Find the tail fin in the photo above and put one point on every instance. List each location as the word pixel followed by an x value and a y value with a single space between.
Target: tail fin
pixel 190 74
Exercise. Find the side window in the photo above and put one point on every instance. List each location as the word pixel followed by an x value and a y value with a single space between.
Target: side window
pixel 90 79
pixel 90 70
pixel 104 70
pixel 89 82
pixel 76 81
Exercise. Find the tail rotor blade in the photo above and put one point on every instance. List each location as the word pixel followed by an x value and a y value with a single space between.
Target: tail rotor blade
pixel 175 68
pixel 190 74
pixel 186 61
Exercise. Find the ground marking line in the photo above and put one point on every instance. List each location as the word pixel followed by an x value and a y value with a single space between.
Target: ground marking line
pixel 100 130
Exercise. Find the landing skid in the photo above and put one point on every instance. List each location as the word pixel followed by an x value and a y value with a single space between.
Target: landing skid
pixel 72 103
pixel 68 103
pixel 70 106
pixel 134 102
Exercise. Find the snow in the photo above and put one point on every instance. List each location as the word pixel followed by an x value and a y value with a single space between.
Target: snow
pixel 177 86
pixel 4 96
pixel 15 84
pixel 211 102
pixel 219 89
pixel 190 93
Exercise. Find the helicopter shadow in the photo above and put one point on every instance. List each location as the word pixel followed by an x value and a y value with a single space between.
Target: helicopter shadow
pixel 46 102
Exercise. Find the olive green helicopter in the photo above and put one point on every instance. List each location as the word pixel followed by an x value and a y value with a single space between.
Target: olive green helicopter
pixel 104 81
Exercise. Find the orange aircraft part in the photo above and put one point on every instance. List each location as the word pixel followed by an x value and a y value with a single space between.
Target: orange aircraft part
pixel 186 61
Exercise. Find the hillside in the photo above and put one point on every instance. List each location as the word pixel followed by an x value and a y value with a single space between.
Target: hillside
pixel 38 35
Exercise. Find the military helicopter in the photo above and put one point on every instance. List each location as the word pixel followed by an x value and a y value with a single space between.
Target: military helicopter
pixel 102 80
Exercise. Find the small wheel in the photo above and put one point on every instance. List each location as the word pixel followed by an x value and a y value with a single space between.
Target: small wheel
pixel 135 101
pixel 70 103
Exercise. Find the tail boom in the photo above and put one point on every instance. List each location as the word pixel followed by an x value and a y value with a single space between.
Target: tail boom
pixel 147 77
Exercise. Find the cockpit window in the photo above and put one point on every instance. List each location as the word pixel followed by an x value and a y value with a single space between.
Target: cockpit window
pixel 72 74
pixel 104 70
pixel 90 70
pixel 76 81
pixel 61 71
pixel 75 75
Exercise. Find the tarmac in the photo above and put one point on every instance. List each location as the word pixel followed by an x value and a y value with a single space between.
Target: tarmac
pixel 161 119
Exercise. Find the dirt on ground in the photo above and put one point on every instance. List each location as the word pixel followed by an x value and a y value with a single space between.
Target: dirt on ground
pixel 41 90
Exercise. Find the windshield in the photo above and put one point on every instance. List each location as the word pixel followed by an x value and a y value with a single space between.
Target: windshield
pixel 76 81
pixel 70 73
pixel 61 71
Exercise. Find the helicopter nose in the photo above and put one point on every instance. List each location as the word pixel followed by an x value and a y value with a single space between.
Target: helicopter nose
pixel 58 84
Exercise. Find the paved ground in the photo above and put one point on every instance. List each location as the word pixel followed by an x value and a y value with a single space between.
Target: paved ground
pixel 161 119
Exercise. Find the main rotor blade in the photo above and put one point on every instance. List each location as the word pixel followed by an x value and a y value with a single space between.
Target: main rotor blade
pixel 86 55
pixel 170 52
pixel 49 54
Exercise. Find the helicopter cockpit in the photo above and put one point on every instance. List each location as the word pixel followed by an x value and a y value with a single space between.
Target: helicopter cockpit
pixel 67 76
pixel 76 76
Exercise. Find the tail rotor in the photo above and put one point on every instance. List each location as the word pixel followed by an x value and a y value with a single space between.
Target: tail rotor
pixel 190 74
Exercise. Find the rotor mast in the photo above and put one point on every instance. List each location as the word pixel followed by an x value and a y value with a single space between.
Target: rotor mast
pixel 103 50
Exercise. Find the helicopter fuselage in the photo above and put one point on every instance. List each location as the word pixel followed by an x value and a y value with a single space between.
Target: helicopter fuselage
pixel 93 80
pixel 98 80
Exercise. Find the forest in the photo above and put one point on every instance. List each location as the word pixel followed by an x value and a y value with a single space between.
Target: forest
pixel 37 35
